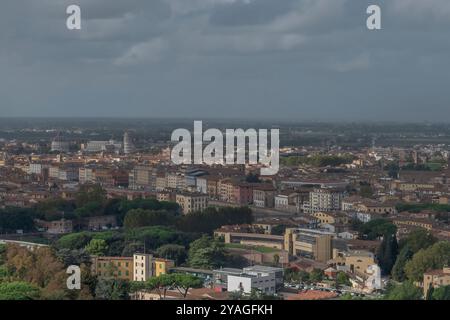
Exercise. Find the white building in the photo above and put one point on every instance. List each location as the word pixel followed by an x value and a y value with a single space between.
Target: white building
pixel 374 280
pixel 99 146
pixel 202 185
pixel 281 202
pixel 264 279
pixel 324 199
pixel 246 283
pixel 142 266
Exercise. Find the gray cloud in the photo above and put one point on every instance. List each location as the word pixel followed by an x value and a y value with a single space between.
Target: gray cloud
pixel 292 59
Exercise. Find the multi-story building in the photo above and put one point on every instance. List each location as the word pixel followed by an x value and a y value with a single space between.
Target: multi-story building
pixel 356 261
pixel 86 174
pixel 436 279
pixel 143 267
pixel 312 244
pixel 142 177
pixel 64 172
pixel 202 185
pixel 264 196
pixel 161 182
pixel 116 267
pixel 243 193
pixel 212 186
pixel 191 202
pixel 324 199
pixel 146 266
pixel 264 279
pixel 226 190
pixel 176 181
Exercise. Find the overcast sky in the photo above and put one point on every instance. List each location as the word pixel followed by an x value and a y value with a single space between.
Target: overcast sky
pixel 280 59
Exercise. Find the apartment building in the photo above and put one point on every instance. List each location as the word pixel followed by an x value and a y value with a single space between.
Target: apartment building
pixel 324 199
pixel 146 266
pixel 64 172
pixel 264 196
pixel 191 202
pixel 243 193
pixel 117 267
pixel 142 177
pixel 308 243
pixel 161 182
pixel 202 185
pixel 226 190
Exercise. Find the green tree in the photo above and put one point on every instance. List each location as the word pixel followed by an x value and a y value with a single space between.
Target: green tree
pixel 90 193
pixel 377 228
pixel 97 247
pixel 18 290
pixel 342 279
pixel 74 240
pixel 415 241
pixel 316 275
pixel 206 253
pixel 435 257
pixel 173 252
pixel 137 218
pixel 73 257
pixel 418 239
pixel 112 289
pixel 184 282
pixel 441 293
pixel 387 253
pixel 404 291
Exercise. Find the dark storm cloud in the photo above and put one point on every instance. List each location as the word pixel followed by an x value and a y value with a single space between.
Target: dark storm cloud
pixel 292 59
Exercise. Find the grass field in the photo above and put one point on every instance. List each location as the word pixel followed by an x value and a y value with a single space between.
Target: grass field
pixel 259 249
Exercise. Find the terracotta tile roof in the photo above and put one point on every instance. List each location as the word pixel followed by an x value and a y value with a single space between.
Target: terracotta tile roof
pixel 313 295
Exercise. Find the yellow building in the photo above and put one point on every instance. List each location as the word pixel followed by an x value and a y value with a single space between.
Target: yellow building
pixel 331 217
pixel 436 279
pixel 116 267
pixel 162 266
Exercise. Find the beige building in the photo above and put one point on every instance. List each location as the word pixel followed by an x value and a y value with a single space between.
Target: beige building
pixel 356 261
pixel 309 243
pixel 226 190
pixel 251 239
pixel 142 177
pixel 191 202
pixel 436 279
pixel 264 196
pixel 331 217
